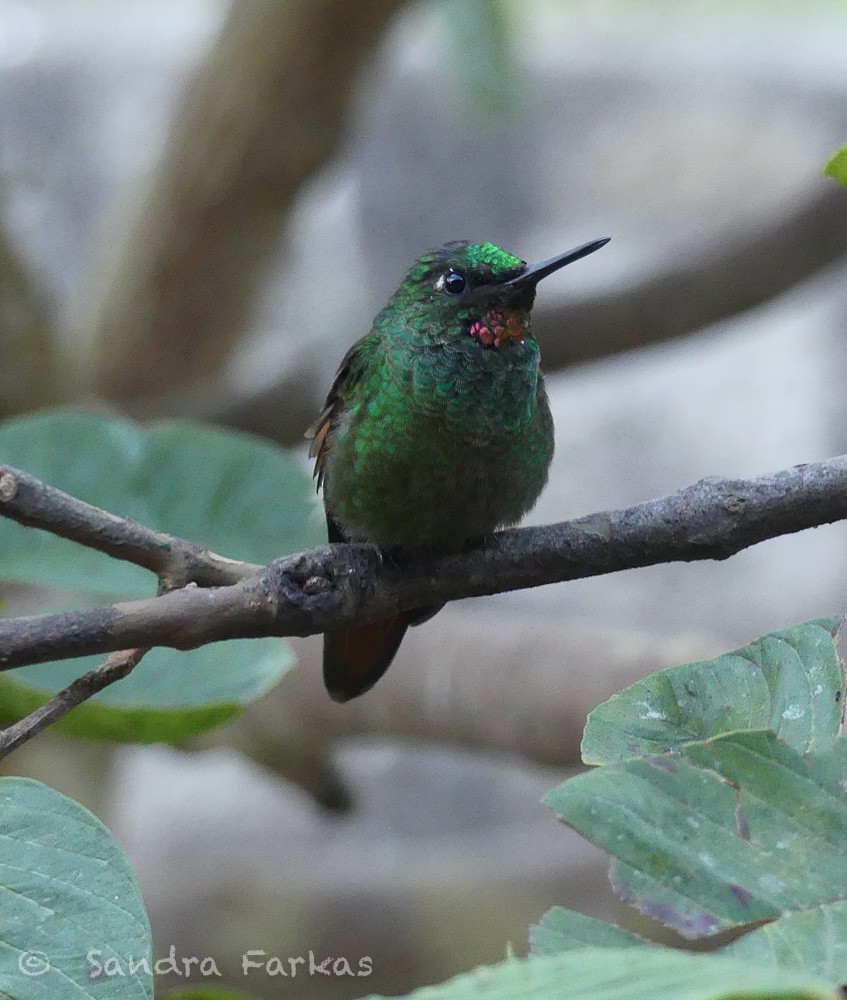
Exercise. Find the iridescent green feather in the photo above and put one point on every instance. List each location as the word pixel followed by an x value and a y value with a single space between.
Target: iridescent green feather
pixel 438 440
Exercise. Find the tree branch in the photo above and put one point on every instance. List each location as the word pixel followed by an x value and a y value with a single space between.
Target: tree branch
pixel 335 586
pixel 116 667
pixel 34 504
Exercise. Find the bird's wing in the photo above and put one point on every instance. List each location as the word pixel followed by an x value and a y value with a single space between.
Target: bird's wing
pixel 354 659
pixel 350 371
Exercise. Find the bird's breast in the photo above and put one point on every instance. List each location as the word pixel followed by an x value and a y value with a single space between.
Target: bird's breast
pixel 478 393
pixel 457 446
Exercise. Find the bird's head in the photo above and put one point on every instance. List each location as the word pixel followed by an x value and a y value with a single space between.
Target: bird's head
pixel 475 290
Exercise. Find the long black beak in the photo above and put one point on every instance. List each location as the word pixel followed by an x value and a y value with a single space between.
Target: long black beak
pixel 535 272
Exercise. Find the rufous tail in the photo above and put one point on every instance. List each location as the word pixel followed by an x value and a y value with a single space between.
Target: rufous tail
pixel 356 658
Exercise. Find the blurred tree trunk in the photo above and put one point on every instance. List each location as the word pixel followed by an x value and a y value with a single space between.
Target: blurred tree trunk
pixel 27 351
pixel 264 111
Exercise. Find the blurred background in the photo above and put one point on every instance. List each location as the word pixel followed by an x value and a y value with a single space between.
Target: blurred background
pixel 202 205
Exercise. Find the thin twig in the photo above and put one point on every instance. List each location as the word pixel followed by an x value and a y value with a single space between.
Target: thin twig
pixel 30 502
pixel 335 586
pixel 116 666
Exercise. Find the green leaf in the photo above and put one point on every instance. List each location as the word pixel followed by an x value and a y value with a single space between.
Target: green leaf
pixel 240 496
pixel 168 697
pixel 628 974
pixel 814 940
pixel 70 900
pixel 485 77
pixel 836 167
pixel 564 930
pixel 234 493
pixel 790 681
pixel 725 832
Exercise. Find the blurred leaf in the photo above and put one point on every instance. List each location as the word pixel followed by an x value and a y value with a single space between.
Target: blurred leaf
pixel 722 833
pixel 68 893
pixel 790 681
pixel 483 64
pixel 238 495
pixel 564 930
pixel 628 974
pixel 170 695
pixel 815 939
pixel 836 167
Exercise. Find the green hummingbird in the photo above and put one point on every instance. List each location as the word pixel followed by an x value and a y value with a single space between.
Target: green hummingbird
pixel 436 430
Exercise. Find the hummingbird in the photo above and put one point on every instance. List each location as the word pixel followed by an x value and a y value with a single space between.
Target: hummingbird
pixel 436 430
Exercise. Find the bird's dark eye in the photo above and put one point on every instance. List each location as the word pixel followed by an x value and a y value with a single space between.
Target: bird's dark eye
pixel 454 282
